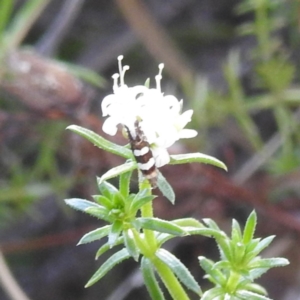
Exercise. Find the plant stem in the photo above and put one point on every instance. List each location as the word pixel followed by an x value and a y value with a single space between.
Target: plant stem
pixel 232 282
pixel 147 212
pixel 171 282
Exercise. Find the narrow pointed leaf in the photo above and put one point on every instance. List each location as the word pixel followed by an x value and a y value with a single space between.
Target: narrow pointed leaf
pixel 246 295
pixel 94 235
pixel 270 263
pixel 101 213
pixel 81 204
pixel 263 244
pixel 101 142
pixel 211 224
pixel 124 185
pixel 150 280
pixel 189 222
pixel 114 172
pixel 236 233
pixel 141 202
pixel 165 188
pixel 215 275
pixel 107 247
pixel 256 288
pixel 196 157
pixel 179 269
pixel 225 248
pixel 141 198
pixel 130 244
pixel 107 189
pixel 256 273
pixel 115 259
pixel 193 226
pixel 115 231
pixel 104 201
pixel 250 228
pixel 252 245
pixel 159 225
pixel 213 294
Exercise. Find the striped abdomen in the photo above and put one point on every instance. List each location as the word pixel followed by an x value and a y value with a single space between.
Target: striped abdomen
pixel 143 155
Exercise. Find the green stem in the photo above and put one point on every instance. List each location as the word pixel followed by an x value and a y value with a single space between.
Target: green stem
pixel 232 282
pixel 147 212
pixel 169 279
pixel 171 282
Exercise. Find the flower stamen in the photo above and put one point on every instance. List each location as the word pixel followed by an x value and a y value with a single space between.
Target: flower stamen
pixel 122 70
pixel 158 77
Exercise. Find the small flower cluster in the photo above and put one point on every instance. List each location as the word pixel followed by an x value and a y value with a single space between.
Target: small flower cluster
pixel 159 116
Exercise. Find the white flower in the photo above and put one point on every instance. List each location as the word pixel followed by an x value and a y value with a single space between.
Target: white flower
pixel 159 116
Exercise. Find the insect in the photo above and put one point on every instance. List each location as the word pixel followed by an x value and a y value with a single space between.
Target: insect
pixel 143 154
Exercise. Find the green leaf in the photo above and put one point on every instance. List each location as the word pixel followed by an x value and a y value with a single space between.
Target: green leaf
pixel 101 142
pixel 213 294
pixel 104 201
pixel 81 204
pixel 252 245
pixel 100 212
pixel 256 273
pixel 189 222
pixel 107 247
pixel 161 238
pixel 159 225
pixel 236 233
pixel 165 188
pixel 150 280
pixel 119 170
pixel 107 189
pixel 140 199
pixel 211 224
pixel 269 263
pixel 250 228
pixel 130 244
pixel 215 275
pixel 115 259
pixel 246 295
pixel 179 269
pixel 124 185
pixel 196 157
pixel 225 248
pixel 256 288
pixel 94 235
pixel 193 227
pixel 238 252
pixel 119 200
pixel 264 243
pixel 115 231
